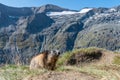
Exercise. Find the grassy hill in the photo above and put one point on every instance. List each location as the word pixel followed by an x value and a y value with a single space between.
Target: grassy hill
pixel 82 64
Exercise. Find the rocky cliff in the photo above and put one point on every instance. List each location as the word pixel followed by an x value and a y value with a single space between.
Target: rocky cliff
pixel 24 32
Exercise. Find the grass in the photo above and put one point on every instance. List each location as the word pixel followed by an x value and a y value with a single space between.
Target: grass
pixel 97 71
pixel 105 72
pixel 116 52
pixel 64 58
pixel 116 60
pixel 67 55
pixel 14 72
pixel 92 70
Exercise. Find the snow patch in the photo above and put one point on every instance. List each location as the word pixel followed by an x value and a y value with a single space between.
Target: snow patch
pixel 69 12
pixel 61 13
pixel 112 10
pixel 85 10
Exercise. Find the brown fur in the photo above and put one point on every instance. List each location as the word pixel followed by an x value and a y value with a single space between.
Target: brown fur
pixel 44 60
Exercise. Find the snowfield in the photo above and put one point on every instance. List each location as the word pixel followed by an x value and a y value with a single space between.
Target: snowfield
pixel 85 10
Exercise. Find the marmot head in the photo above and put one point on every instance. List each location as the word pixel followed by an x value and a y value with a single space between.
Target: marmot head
pixel 55 52
pixel 53 55
pixel 52 58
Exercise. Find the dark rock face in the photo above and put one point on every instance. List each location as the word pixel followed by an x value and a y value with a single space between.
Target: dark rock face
pixel 24 32
pixel 38 22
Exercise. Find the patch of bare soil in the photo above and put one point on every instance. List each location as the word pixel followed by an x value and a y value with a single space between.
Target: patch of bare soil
pixel 70 75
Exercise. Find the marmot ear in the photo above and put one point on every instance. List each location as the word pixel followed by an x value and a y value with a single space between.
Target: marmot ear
pixel 52 52
pixel 58 52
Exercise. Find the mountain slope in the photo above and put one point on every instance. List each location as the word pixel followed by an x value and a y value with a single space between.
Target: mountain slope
pixel 24 32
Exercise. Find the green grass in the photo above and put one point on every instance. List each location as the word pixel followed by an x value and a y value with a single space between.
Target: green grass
pixel 67 55
pixel 116 52
pixel 87 50
pixel 14 72
pixel 101 71
pixel 116 60
pixel 108 72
